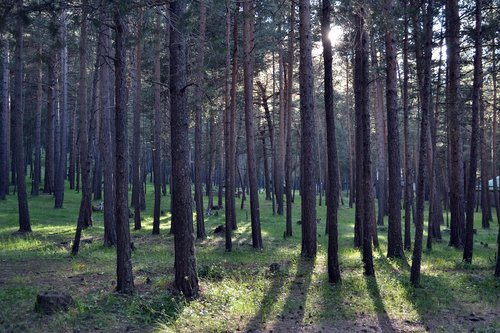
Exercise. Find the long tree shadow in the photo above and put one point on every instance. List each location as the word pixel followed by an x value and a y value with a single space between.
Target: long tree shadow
pixel 293 313
pixel 270 297
pixel 383 319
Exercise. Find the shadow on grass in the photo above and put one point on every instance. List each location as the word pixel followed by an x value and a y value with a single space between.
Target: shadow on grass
pixel 293 313
pixel 271 296
pixel 383 319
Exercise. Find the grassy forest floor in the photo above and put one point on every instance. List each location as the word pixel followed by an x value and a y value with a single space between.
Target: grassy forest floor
pixel 238 291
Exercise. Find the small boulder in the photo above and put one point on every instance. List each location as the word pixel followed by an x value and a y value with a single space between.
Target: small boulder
pixel 50 302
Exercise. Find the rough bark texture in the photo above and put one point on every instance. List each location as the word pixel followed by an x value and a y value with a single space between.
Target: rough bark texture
pixel 157 129
pixel 18 120
pixel 248 64
pixel 136 137
pixel 186 278
pixel 408 188
pixel 453 105
pixel 37 172
pixel 85 214
pixel 288 128
pixel 198 187
pixel 105 145
pixel 425 95
pixel 229 138
pixel 125 279
pixel 60 175
pixel 5 122
pixel 394 243
pixel 308 154
pixel 476 106
pixel 332 192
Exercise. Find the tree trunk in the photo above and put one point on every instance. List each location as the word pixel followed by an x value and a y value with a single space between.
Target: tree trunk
pixel 408 182
pixel 85 214
pixel 308 154
pixel 60 175
pixel 248 64
pixel 454 131
pixel 394 243
pixel 331 189
pixel 136 146
pixel 157 126
pixel 18 120
pixel 125 279
pixel 186 278
pixel 230 125
pixel 198 186
pixel 5 121
pixel 37 174
pixel 477 100
pixel 105 140
pixel 425 98
pixel 288 128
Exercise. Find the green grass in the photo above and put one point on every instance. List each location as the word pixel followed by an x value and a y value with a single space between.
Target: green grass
pixel 237 290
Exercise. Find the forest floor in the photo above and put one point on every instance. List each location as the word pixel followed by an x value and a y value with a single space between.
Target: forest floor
pixel 238 290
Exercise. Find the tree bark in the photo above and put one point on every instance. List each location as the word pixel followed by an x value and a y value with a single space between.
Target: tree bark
pixel 157 128
pixel 105 142
pixel 85 214
pixel 136 146
pixel 332 192
pixel 37 174
pixel 308 154
pixel 288 128
pixel 60 175
pixel 394 243
pixel 198 186
pixel 248 65
pixel 186 278
pixel 477 99
pixel 125 279
pixel 425 96
pixel 453 105
pixel 5 121
pixel 18 120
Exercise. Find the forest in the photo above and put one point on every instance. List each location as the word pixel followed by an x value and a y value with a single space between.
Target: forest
pixel 249 166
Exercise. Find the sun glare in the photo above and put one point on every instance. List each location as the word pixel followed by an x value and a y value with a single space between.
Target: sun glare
pixel 336 34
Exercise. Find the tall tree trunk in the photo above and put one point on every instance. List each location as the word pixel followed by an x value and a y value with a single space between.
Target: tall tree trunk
pixel 136 146
pixel 186 278
pixel 37 174
pixel 408 187
pixel 105 141
pixel 288 128
pixel 248 64
pixel 494 155
pixel 380 137
pixel 394 243
pixel 198 186
pixel 230 125
pixel 48 186
pixel 18 119
pixel 454 130
pixel 308 154
pixel 280 142
pixel 425 97
pixel 85 214
pixel 477 99
pixel 157 128
pixel 364 204
pixel 73 152
pixel 60 175
pixel 125 279
pixel 5 121
pixel 331 189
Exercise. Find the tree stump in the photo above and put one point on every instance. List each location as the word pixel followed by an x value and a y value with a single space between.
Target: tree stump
pixel 53 301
